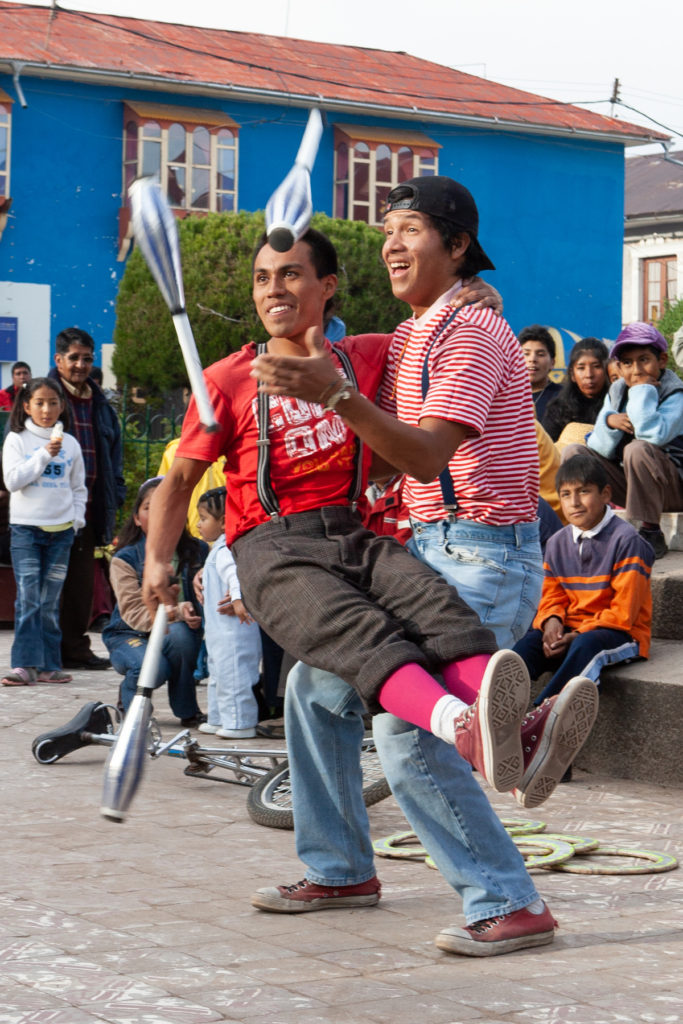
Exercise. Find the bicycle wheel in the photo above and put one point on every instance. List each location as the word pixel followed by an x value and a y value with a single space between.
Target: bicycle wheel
pixel 269 801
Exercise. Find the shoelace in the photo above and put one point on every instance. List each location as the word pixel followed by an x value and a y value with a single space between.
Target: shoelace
pixel 484 926
pixel 466 717
pixel 297 885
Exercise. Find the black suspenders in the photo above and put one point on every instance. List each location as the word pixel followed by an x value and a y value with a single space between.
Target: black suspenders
pixel 449 499
pixel 264 484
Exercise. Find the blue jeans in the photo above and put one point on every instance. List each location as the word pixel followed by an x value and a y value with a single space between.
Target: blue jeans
pixel 497 570
pixel 587 655
pixel 176 666
pixel 433 785
pixel 40 561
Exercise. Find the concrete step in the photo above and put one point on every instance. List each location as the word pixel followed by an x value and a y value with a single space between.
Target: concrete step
pixel 667 596
pixel 639 731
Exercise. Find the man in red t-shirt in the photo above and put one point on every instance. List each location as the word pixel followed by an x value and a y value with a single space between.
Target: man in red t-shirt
pixel 288 498
pixel 343 599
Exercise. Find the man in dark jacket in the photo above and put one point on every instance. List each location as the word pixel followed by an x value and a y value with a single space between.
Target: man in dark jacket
pixel 96 427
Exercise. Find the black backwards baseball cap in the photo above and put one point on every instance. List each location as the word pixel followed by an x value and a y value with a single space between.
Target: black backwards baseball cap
pixel 446 199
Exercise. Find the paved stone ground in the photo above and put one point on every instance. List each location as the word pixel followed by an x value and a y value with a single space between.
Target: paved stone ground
pixel 149 922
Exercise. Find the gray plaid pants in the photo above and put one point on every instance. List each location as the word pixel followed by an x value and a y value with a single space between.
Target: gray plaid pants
pixel 340 598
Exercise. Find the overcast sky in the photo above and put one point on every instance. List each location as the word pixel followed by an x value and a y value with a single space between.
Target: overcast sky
pixel 572 52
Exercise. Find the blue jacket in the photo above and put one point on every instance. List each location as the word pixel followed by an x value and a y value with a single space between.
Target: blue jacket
pixel 655 412
pixel 109 490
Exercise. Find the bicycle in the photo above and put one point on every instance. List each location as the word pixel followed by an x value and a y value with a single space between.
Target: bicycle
pixel 264 770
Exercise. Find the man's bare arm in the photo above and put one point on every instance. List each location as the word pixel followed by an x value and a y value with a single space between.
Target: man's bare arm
pixel 167 516
pixel 421 451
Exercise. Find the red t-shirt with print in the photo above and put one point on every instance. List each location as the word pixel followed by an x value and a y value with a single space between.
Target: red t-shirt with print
pixel 311 450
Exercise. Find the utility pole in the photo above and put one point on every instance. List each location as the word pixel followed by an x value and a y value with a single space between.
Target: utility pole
pixel 615 95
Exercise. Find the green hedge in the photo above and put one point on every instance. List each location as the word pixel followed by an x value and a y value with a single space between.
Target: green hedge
pixel 216 252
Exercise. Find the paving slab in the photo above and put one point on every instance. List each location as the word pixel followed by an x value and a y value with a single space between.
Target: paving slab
pixel 149 921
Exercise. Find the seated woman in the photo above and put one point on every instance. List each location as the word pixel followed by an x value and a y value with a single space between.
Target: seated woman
pixel 571 416
pixel 127 633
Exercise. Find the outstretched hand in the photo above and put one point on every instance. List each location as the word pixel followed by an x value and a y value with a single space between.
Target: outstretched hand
pixel 307 377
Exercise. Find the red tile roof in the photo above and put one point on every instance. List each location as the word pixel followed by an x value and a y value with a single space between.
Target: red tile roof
pixel 338 77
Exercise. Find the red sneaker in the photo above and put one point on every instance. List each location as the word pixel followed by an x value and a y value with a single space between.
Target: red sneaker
pixel 552 736
pixel 487 734
pixel 497 935
pixel 305 895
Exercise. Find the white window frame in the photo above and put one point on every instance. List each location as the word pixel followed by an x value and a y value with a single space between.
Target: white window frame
pixel 668 282
pixel 396 140
pixel 6 103
pixel 145 115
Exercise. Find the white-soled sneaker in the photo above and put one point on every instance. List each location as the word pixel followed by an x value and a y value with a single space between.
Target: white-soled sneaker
pixel 552 736
pixel 487 734
pixel 208 727
pixel 236 734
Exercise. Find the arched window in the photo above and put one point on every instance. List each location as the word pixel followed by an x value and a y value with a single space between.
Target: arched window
pixel 193 152
pixel 369 162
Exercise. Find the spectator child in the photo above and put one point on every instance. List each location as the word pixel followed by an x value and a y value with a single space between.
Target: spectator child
pixel 596 606
pixel 127 632
pixel 638 436
pixel 44 473
pixel 382 509
pixel 570 416
pixel 613 371
pixel 538 349
pixel 233 642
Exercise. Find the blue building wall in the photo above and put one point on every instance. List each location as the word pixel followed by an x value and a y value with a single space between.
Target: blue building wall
pixel 551 210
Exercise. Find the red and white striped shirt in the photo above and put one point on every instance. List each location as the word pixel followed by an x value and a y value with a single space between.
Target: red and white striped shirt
pixel 477 378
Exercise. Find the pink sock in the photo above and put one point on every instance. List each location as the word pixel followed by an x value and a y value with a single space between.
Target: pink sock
pixel 463 677
pixel 410 693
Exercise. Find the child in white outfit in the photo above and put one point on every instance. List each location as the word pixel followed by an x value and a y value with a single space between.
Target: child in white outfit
pixel 44 473
pixel 233 641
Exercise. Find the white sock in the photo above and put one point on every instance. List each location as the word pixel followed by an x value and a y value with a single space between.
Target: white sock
pixel 537 907
pixel 444 713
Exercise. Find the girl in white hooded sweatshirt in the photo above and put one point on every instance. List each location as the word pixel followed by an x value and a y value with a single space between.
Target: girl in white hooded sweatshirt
pixel 44 473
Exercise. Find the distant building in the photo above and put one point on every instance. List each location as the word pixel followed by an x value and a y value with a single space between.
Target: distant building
pixel 89 101
pixel 653 235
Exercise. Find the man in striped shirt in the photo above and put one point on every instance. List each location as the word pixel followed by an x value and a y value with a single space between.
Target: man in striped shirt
pixel 460 389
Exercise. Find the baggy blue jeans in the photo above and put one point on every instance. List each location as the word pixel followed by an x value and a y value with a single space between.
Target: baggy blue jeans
pixel 587 655
pixel 39 560
pixel 176 666
pixel 435 788
pixel 497 570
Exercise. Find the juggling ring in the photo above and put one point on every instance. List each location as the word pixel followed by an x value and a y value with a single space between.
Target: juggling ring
pixel 657 862
pixel 582 844
pixel 556 852
pixel 521 827
pixel 396 846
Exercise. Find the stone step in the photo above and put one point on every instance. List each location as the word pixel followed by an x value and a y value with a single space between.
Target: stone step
pixel 667 597
pixel 639 731
pixel 671 524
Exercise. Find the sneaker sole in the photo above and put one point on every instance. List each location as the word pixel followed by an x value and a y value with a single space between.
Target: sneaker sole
pixel 503 702
pixel 466 946
pixel 568 728
pixel 272 899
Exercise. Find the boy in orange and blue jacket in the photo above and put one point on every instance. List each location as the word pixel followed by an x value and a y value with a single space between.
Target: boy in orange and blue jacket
pixel 596 604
